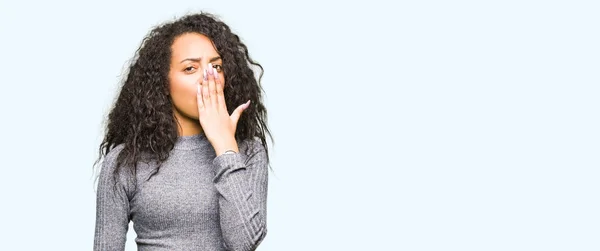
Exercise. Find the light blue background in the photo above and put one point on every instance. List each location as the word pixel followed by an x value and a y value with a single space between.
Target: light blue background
pixel 411 125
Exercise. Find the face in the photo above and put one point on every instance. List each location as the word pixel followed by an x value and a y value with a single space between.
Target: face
pixel 190 55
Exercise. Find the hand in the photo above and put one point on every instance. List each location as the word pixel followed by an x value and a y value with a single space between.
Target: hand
pixel 218 126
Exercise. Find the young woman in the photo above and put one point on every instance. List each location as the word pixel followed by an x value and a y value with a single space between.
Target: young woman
pixel 185 155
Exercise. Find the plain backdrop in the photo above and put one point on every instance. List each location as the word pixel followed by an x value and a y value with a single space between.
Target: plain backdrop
pixel 398 125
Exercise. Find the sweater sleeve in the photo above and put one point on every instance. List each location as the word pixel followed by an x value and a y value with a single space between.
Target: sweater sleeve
pixel 241 181
pixel 112 208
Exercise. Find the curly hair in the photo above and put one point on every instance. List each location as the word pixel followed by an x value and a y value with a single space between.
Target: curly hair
pixel 142 118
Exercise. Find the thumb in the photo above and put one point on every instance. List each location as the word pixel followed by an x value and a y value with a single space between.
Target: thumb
pixel 235 115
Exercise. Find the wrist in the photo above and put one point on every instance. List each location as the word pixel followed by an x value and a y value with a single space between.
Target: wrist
pixel 226 147
pixel 226 151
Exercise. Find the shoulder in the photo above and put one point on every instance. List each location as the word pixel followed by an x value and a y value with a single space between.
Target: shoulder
pixel 109 163
pixel 254 151
pixel 109 173
pixel 252 146
pixel 110 159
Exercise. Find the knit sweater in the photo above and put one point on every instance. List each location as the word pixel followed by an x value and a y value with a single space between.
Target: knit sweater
pixel 196 201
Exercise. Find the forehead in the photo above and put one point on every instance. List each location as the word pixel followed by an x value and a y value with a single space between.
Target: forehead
pixel 193 45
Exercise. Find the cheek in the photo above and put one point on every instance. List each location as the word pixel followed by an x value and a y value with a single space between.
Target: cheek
pixel 183 92
pixel 222 77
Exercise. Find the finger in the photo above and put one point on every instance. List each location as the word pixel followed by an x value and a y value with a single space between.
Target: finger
pixel 205 92
pixel 199 96
pixel 220 93
pixel 237 113
pixel 212 88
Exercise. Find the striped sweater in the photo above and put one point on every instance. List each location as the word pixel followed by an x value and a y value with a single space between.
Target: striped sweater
pixel 196 201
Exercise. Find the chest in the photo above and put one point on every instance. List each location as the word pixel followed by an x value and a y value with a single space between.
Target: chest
pixel 180 195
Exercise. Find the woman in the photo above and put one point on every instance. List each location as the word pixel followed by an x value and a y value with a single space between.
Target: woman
pixel 185 155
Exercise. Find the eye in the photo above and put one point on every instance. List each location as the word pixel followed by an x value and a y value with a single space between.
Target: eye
pixel 218 67
pixel 190 69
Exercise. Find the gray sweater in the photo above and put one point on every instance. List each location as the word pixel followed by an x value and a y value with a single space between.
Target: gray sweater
pixel 195 202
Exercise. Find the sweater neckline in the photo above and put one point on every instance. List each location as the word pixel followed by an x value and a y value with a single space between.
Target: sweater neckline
pixel 190 142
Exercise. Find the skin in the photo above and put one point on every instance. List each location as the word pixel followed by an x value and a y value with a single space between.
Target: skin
pixel 196 85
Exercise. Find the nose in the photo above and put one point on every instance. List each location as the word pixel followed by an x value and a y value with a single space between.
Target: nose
pixel 206 68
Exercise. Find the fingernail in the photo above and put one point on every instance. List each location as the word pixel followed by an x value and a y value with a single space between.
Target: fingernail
pixel 215 73
pixel 205 75
pixel 248 104
pixel 198 89
pixel 210 69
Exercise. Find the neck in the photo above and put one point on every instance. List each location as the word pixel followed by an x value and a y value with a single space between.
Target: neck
pixel 187 126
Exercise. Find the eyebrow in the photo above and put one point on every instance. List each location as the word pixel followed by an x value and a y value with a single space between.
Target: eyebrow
pixel 199 59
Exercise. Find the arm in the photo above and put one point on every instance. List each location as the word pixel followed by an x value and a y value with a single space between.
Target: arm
pixel 241 181
pixel 112 209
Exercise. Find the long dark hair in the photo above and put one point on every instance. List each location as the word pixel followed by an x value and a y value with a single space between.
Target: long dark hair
pixel 142 117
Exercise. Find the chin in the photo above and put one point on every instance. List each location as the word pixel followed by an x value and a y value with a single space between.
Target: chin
pixel 192 117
